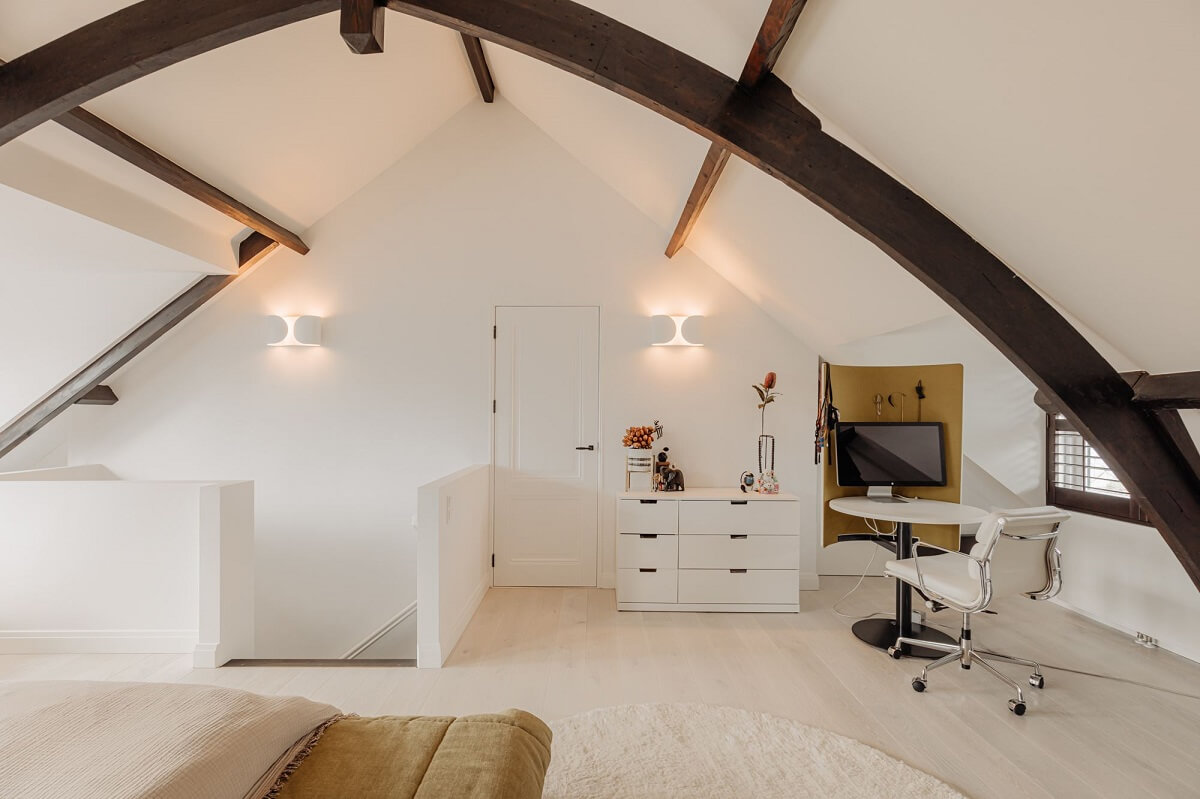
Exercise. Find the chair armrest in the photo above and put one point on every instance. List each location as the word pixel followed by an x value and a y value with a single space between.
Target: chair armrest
pixel 984 580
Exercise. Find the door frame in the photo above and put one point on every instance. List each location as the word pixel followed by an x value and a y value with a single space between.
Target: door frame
pixel 600 454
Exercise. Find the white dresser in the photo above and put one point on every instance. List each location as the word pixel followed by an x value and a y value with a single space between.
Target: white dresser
pixel 709 549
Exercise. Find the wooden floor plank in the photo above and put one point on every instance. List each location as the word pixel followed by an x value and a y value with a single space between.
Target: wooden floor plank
pixel 557 652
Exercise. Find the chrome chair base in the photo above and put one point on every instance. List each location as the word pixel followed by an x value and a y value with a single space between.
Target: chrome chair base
pixel 965 653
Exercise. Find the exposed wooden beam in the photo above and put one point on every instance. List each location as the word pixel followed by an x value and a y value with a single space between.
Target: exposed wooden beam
pixel 1174 390
pixel 100 395
pixel 768 128
pixel 362 25
pixel 254 248
pixel 127 148
pixel 81 384
pixel 479 65
pixel 710 170
pixel 772 35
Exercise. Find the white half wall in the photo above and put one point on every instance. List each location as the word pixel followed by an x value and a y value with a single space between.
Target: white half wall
pixel 114 566
pixel 407 274
pixel 454 551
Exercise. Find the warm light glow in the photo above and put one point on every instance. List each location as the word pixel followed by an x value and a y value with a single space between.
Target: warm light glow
pixel 294 331
pixel 676 331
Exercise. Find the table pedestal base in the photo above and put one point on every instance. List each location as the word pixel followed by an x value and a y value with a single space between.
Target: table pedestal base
pixel 882 633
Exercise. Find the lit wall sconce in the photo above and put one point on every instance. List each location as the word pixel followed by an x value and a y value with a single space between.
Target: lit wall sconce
pixel 677 331
pixel 293 331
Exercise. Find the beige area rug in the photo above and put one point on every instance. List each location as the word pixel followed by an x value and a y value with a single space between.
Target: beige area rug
pixel 701 751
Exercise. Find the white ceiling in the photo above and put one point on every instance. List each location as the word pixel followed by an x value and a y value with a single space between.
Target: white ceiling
pixel 1061 135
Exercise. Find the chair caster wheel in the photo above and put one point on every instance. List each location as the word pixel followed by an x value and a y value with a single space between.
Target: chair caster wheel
pixel 895 653
pixel 919 685
pixel 1016 707
pixel 1037 681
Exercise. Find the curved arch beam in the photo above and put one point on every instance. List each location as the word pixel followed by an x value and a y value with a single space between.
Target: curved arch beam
pixel 767 127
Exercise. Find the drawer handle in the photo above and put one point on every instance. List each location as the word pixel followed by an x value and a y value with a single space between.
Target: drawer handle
pixel 647 535
pixel 739 502
pixel 737 571
pixel 648 501
pixel 647 570
pixel 739 537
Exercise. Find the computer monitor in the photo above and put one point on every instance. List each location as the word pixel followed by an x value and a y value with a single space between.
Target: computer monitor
pixel 890 454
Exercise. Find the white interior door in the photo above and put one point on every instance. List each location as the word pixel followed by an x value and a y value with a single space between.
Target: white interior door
pixel 547 417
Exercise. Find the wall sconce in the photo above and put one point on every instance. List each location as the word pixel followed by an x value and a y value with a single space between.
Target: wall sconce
pixel 293 331
pixel 677 331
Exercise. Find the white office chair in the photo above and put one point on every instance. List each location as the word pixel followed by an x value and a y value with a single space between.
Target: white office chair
pixel 1015 553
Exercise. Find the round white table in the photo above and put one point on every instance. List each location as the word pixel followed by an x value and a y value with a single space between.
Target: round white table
pixel 882 633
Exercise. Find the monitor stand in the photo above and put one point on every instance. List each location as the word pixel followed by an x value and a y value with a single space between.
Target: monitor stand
pixel 883 494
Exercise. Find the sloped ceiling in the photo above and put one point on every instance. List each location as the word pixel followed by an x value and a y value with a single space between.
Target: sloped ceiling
pixel 1062 135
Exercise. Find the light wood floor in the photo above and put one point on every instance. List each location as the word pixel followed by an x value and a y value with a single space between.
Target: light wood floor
pixel 557 652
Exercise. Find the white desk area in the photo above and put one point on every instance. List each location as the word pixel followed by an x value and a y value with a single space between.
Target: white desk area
pixel 712 549
pixel 882 633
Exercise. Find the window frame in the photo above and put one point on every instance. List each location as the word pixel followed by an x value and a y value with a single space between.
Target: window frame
pixel 1095 504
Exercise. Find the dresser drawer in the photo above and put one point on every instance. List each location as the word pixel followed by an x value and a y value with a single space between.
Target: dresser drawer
pixel 647 516
pixel 647 585
pixel 761 517
pixel 647 550
pixel 738 552
pixel 753 586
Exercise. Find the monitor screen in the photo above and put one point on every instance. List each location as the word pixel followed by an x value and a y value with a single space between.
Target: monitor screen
pixel 890 454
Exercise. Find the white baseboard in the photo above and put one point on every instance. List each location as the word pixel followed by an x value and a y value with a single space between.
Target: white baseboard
pixel 1164 645
pixel 90 642
pixel 432 656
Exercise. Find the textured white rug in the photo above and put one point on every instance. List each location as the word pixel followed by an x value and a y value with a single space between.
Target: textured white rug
pixel 706 751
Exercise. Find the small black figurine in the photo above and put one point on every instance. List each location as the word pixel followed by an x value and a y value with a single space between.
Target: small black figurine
pixel 669 478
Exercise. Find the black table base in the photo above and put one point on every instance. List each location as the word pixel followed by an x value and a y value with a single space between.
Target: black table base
pixel 882 633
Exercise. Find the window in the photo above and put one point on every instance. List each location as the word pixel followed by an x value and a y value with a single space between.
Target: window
pixel 1078 479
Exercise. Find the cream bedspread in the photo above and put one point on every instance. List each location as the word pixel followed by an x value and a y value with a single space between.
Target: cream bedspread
pixel 127 740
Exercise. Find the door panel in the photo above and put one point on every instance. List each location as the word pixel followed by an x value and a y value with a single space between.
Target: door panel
pixel 547 405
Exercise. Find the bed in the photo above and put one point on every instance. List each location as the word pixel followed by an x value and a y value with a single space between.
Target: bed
pixel 140 740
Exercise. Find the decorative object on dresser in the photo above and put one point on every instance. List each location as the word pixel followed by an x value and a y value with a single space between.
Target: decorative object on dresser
pixel 639 459
pixel 667 477
pixel 708 549
pixel 767 484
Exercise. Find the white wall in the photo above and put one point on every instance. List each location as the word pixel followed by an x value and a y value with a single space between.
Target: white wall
pixel 1126 576
pixel 488 211
pixel 454 553
pixel 113 566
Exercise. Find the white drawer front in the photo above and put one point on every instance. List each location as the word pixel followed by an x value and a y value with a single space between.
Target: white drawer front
pixel 653 516
pixel 761 517
pixel 647 550
pixel 642 585
pixel 739 551
pixel 753 586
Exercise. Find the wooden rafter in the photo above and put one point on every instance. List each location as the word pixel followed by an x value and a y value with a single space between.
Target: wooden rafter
pixel 706 181
pixel 1175 390
pixel 479 66
pixel 772 35
pixel 129 149
pixel 768 128
pixel 83 383
pixel 362 25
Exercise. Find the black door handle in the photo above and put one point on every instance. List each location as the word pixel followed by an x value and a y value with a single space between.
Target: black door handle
pixel 588 447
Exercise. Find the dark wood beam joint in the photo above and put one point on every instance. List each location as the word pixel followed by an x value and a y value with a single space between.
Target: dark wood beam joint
pixel 479 66
pixel 362 25
pixel 254 248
